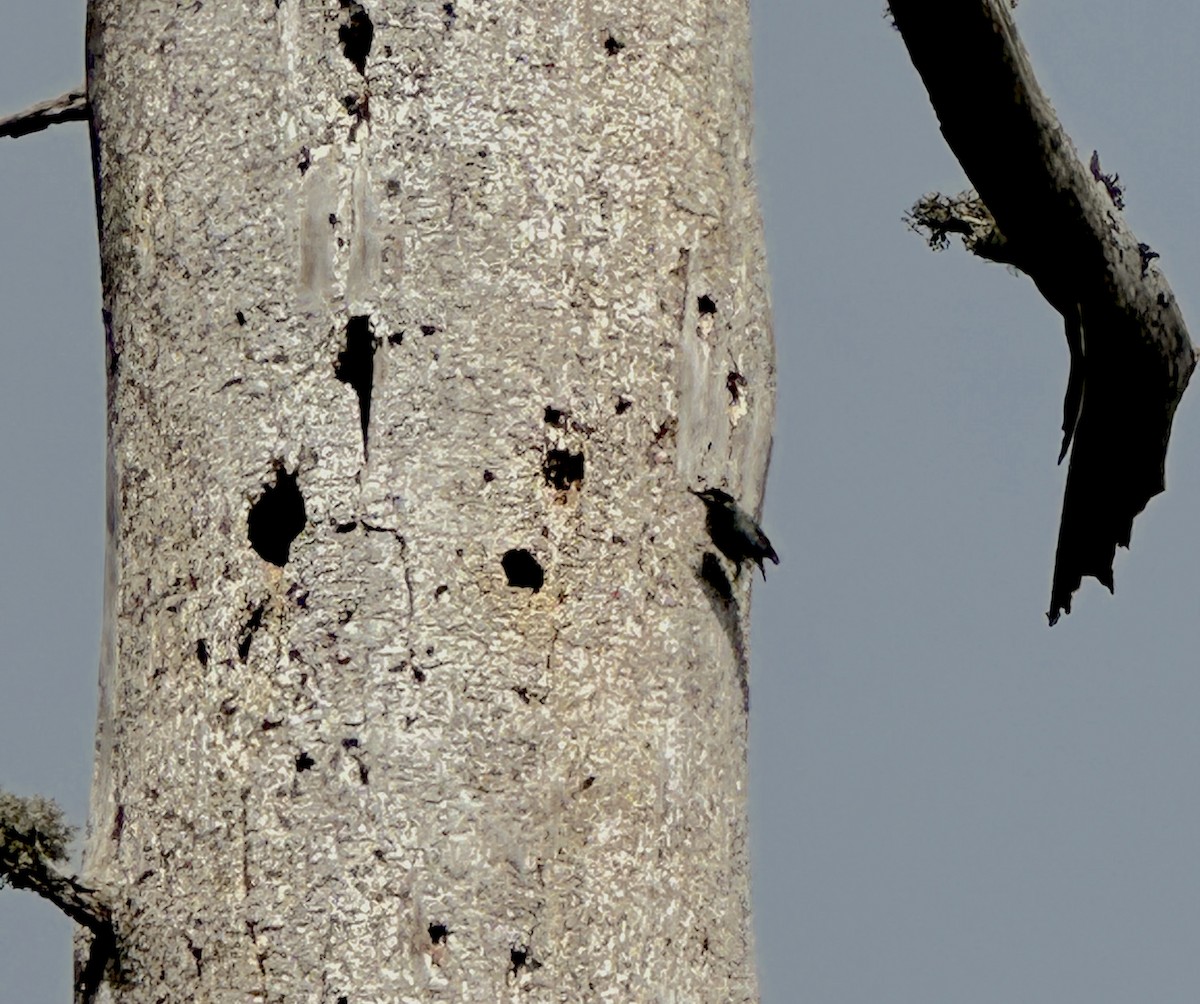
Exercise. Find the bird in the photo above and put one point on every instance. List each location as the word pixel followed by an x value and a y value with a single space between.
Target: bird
pixel 734 532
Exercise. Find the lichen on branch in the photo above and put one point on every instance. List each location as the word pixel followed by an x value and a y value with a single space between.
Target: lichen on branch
pixel 33 839
pixel 31 829
pixel 935 217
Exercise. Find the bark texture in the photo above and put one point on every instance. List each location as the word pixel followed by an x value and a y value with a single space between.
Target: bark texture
pixel 1060 223
pixel 422 317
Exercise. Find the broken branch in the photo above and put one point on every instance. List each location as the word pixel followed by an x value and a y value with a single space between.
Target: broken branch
pixel 70 107
pixel 1059 222
pixel 33 836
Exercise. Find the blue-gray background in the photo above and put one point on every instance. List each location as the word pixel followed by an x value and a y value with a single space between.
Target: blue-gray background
pixel 951 802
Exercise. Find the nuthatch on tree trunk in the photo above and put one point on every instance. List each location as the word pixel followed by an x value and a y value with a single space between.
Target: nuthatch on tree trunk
pixel 734 532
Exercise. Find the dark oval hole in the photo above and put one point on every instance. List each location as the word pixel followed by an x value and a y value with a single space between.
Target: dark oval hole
pixel 277 518
pixel 523 570
pixel 563 468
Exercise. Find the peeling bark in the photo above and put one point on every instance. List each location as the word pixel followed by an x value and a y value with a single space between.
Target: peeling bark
pixel 1059 222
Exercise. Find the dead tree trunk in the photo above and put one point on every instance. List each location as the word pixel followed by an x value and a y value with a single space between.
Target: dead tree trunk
pixel 419 680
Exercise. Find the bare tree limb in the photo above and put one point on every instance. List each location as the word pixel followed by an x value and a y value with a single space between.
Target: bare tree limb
pixel 33 836
pixel 70 107
pixel 81 904
pixel 1060 223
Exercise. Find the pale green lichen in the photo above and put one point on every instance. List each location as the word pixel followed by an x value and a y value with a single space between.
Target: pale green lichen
pixel 31 829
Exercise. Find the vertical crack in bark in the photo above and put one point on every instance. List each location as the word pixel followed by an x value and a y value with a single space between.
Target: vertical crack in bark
pixel 247 635
pixel 356 367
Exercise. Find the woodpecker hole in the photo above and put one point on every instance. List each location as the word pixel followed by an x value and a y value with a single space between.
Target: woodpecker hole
pixel 612 46
pixel 396 338
pixel 523 570
pixel 356 33
pixel 563 469
pixel 418 674
pixel 241 319
pixel 348 527
pixel 202 652
pixel 521 957
pixel 734 383
pixel 356 366
pixel 706 304
pixel 623 405
pixel 277 518
pixel 304 762
pixel 429 329
pixel 438 933
pixel 554 417
pixel 488 476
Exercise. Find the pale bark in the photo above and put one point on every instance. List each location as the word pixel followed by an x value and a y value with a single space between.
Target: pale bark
pixel 378 771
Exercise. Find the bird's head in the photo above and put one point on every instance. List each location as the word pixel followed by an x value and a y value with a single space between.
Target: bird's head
pixel 713 496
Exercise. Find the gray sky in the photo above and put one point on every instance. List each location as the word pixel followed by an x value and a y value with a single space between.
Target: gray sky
pixel 951 801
